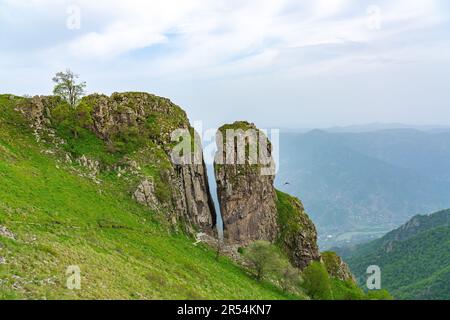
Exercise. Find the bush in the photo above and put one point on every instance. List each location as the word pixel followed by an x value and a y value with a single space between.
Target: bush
pixel 289 278
pixel 346 290
pixel 316 282
pixel 263 258
pixel 379 295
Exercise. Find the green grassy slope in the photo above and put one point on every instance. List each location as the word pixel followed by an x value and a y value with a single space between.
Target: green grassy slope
pixel 124 250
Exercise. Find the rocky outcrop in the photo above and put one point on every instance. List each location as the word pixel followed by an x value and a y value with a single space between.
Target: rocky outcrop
pixel 250 207
pixel 136 125
pixel 247 198
pixel 196 198
pixel 37 110
pixel 145 194
pixel 336 267
pixel 298 235
pixel 92 165
pixel 4 232
pixel 156 117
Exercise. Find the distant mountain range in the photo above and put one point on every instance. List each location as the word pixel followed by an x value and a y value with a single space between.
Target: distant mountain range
pixel 414 259
pixel 359 185
pixel 387 126
pixel 370 127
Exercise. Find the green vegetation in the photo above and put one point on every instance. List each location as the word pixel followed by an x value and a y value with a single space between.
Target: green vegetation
pixel 74 126
pixel 60 216
pixel 349 290
pixel 125 251
pixel 120 139
pixel 316 282
pixel 331 261
pixel 266 261
pixel 319 285
pixel 320 280
pixel 67 88
pixel 237 125
pixel 135 130
pixel 290 216
pixel 263 258
pixel 379 295
pixel 414 259
pixel 335 266
pixel 295 228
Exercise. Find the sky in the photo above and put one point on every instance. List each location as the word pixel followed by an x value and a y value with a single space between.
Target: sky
pixel 285 63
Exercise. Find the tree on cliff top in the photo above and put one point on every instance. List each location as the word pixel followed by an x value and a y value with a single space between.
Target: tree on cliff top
pixel 67 88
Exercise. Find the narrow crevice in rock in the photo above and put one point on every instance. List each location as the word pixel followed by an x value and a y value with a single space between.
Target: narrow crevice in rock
pixel 212 187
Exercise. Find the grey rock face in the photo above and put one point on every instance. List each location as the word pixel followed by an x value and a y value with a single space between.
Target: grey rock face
pixel 249 204
pixel 299 238
pixel 247 198
pixel 188 183
pixel 196 196
pixel 145 194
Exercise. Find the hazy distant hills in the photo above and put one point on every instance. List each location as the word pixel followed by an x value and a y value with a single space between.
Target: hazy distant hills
pixel 387 126
pixel 414 259
pixel 427 154
pixel 371 127
pixel 358 185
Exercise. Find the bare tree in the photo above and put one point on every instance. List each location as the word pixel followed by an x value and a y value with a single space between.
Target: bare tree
pixel 67 88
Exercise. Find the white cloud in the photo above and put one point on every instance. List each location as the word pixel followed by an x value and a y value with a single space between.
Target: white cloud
pixel 250 46
pixel 211 34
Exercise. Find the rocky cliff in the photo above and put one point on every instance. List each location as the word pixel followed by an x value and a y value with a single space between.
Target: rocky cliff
pixel 298 235
pixel 250 206
pixel 247 198
pixel 129 134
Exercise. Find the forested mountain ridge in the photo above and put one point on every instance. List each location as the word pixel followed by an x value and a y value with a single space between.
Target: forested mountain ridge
pixel 414 259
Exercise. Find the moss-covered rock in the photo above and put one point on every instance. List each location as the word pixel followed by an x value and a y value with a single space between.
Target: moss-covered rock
pixel 336 267
pixel 297 233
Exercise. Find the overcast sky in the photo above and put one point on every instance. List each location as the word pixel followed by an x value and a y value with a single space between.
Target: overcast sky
pixel 288 63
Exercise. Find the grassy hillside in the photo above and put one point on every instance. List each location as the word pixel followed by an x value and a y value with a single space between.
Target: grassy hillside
pixel 124 250
pixel 414 259
pixel 59 208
